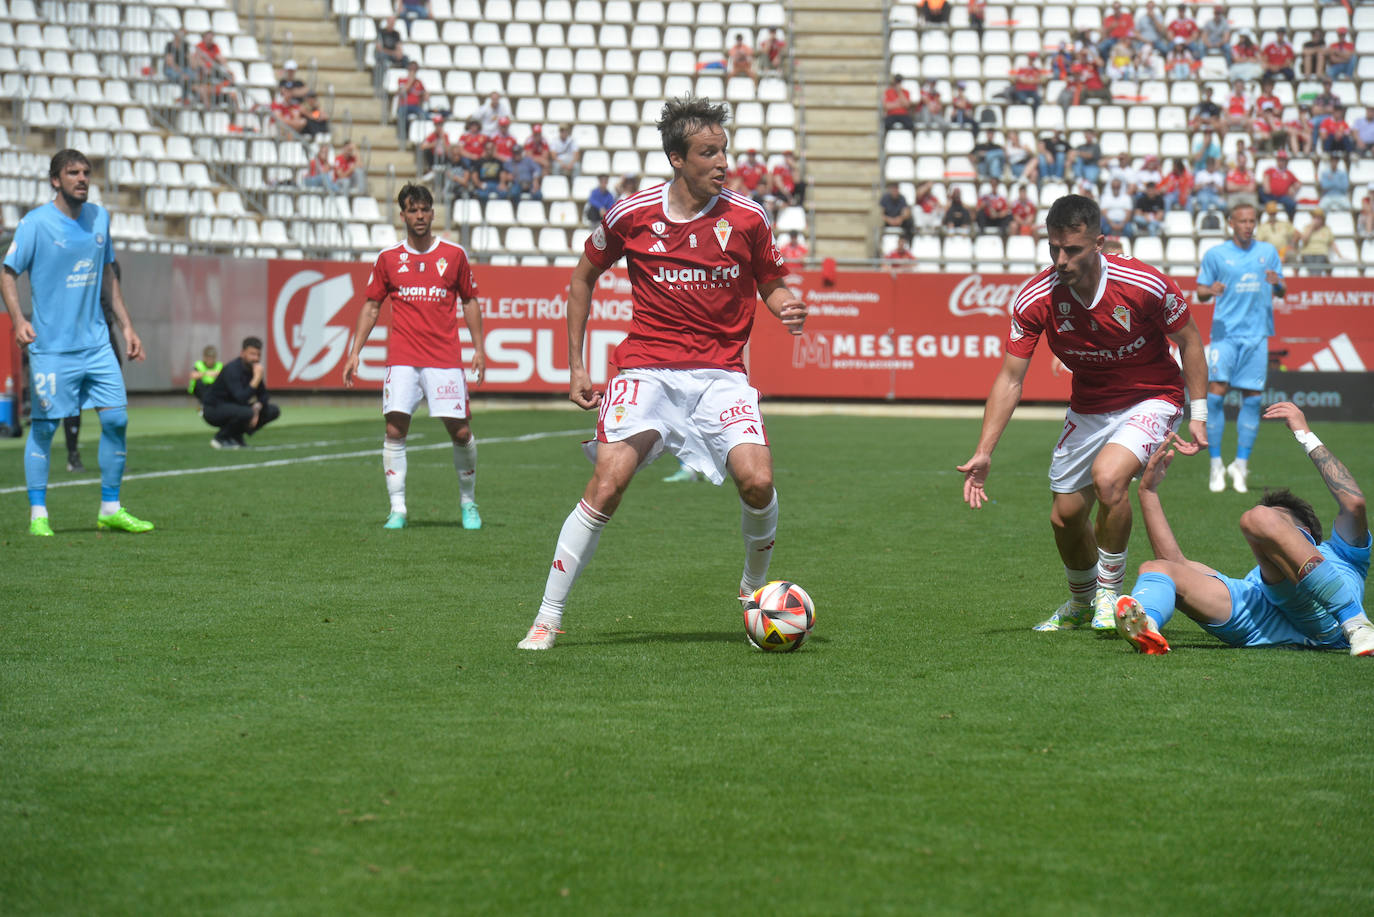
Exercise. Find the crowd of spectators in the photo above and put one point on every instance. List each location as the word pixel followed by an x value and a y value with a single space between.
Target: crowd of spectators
pixel 1261 118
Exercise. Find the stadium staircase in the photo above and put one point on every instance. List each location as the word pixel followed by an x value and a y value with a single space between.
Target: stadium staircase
pixel 840 50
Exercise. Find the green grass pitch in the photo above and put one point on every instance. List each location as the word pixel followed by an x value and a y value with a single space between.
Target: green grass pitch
pixel 272 706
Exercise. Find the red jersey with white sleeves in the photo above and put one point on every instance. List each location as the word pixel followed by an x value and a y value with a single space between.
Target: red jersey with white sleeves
pixel 1116 345
pixel 425 289
pixel 695 282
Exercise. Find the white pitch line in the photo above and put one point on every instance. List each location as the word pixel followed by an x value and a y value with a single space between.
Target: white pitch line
pixel 277 463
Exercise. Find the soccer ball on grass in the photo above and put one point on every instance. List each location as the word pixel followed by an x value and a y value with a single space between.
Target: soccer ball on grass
pixel 778 617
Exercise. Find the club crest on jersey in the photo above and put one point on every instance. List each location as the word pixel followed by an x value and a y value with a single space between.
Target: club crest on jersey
pixel 599 237
pixel 442 265
pixel 619 412
pixel 1122 316
pixel 405 256
pixel 723 230
pixel 1064 308
pixel 659 227
pixel 99 239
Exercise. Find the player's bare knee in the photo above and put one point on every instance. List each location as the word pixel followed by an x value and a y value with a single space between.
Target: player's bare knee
pixel 1260 523
pixel 756 489
pixel 1155 566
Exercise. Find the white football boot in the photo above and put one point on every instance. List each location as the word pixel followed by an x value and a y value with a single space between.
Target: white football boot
pixel 1361 640
pixel 1104 610
pixel 1067 617
pixel 1216 482
pixel 1237 471
pixel 540 637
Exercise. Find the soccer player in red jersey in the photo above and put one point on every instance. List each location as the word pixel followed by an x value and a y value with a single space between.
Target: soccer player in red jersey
pixel 699 257
pixel 1110 319
pixel 425 277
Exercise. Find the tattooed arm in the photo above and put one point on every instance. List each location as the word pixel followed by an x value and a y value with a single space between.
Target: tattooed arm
pixel 1352 522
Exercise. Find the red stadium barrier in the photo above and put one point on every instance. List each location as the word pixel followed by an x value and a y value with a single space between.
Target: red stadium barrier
pixel 871 334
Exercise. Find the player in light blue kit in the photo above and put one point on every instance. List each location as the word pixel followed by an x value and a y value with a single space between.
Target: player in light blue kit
pixel 1305 592
pixel 65 246
pixel 1244 275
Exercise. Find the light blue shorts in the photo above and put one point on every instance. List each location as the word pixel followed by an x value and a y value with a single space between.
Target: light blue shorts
pixel 62 384
pixel 1257 622
pixel 1241 363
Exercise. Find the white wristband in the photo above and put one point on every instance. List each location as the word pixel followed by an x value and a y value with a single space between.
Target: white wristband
pixel 1197 409
pixel 1308 439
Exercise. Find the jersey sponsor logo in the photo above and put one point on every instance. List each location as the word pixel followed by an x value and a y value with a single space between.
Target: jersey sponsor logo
pixel 1174 306
pixel 309 346
pixel 421 291
pixel 1122 316
pixel 697 278
pixel 658 248
pixel 722 230
pixel 1107 354
pixel 83 274
pixel 599 237
pixel 973 297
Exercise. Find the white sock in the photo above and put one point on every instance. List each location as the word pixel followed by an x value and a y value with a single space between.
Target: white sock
pixel 576 545
pixel 38 512
pixel 109 507
pixel 394 464
pixel 1241 465
pixel 1082 585
pixel 1111 570
pixel 465 463
pixel 760 528
pixel 1218 464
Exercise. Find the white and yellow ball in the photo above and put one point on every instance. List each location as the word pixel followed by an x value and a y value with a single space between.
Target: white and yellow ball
pixel 779 617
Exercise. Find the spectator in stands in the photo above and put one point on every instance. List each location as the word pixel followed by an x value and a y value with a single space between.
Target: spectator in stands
pixel 989 157
pixel 526 176
pixel 1061 62
pixel 1277 231
pixel 1324 105
pixel 1149 210
pixel 930 110
pixel 1123 171
pixel 1020 162
pixel 1278 57
pixel 1148 172
pixel 897 106
pixel 505 142
pixel 1316 245
pixel 741 58
pixel 537 148
pixel 1185 26
pixel 208 57
pixel 1208 146
pixel 1120 62
pixel 933 12
pixel 927 209
pixel 1245 62
pixel 1301 129
pixel 286 113
pixel 628 185
pixel 1206 114
pixel 1209 181
pixel 1336 134
pixel 1333 183
pixel 434 150
pixel 1118 26
pixel 1238 110
pixel 1027 82
pixel 771 50
pixel 388 51
pixel 319 172
pixel 472 145
pixel 1054 150
pixel 410 10
pixel 977 15
pixel 1364 223
pixel 1085 82
pixel 1363 132
pixel 957 216
pixel 1177 186
pixel 1313 55
pixel 490 113
pixel 316 121
pixel 1118 210
pixel 1180 64
pixel 1340 57
pixel 567 157
pixel 491 177
pixel 1241 186
pixel 1279 185
pixel 411 96
pixel 348 176
pixel 1085 160
pixel 290 88
pixel 896 210
pixel 793 250
pixel 1149 29
pixel 783 187
pixel 599 201
pixel 177 64
pixel 750 176
pixel 1216 34
pixel 216 86
pixel 901 256
pixel 994 211
pixel 1023 213
pixel 961 109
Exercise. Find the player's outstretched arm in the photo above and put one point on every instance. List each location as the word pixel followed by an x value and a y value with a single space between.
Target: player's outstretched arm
pixel 783 303
pixel 132 342
pixel 1194 356
pixel 472 316
pixel 1002 401
pixel 367 320
pixel 1162 540
pixel 580 390
pixel 1352 521
pixel 9 291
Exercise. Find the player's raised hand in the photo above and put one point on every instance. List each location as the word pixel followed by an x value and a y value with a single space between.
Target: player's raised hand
pixel 1155 468
pixel 975 472
pixel 793 315
pixel 350 370
pixel 581 392
pixel 1289 413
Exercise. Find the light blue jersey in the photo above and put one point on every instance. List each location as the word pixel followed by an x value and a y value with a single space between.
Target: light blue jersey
pixel 66 261
pixel 1246 308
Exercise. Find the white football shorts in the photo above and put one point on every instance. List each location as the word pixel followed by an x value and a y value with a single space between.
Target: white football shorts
pixel 699 415
pixel 445 390
pixel 1139 428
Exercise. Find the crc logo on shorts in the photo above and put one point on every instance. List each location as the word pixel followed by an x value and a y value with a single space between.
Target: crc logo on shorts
pixel 450 391
pixel 740 410
pixel 309 346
